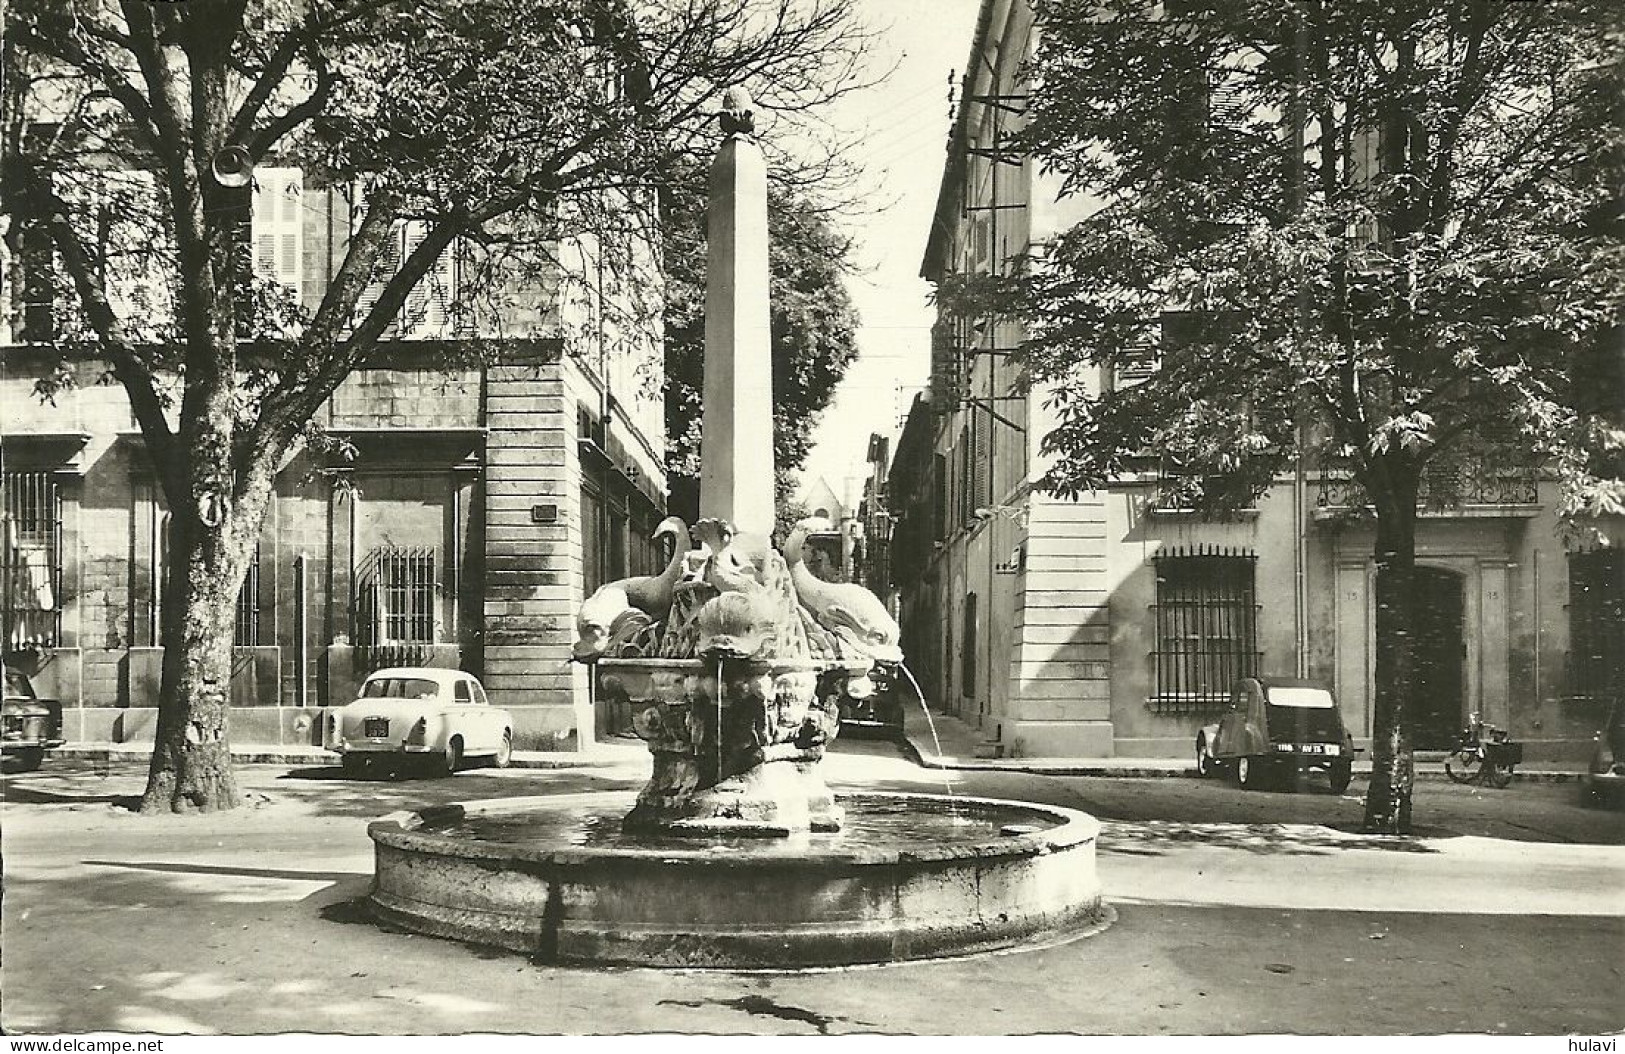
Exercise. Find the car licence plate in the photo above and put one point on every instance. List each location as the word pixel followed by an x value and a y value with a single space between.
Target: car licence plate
pixel 375 727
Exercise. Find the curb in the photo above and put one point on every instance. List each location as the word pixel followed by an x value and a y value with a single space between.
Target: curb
pixel 270 756
pixel 1083 767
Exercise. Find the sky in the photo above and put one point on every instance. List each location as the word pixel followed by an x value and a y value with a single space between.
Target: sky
pixel 904 127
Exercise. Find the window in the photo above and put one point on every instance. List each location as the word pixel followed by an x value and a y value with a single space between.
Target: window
pixel 592 537
pixel 426 315
pixel 1597 623
pixel 967 475
pixel 246 626
pixel 1207 626
pixel 460 693
pixel 31 560
pixel 396 597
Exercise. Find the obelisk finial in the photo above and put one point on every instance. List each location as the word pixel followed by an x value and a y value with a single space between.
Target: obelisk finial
pixel 737 116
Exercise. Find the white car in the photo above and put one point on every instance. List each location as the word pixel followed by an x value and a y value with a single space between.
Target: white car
pixel 441 716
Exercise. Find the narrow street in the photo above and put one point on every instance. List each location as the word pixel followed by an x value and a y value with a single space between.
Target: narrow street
pixel 1236 911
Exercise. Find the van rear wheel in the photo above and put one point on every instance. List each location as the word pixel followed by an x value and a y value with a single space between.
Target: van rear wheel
pixel 1248 774
pixel 1340 775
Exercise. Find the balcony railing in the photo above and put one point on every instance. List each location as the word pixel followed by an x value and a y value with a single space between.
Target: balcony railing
pixel 1482 479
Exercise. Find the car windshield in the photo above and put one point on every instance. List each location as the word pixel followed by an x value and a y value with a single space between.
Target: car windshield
pixel 1309 698
pixel 400 688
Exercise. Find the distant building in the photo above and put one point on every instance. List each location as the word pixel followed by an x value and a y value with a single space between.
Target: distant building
pixel 1115 624
pixel 482 504
pixel 834 548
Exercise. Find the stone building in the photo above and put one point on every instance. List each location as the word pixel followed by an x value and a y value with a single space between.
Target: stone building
pixel 1114 624
pixel 475 507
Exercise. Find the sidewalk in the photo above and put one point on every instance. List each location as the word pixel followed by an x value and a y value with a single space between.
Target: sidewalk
pixel 942 741
pixel 597 755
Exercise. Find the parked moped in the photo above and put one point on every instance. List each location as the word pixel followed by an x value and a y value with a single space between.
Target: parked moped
pixel 1484 754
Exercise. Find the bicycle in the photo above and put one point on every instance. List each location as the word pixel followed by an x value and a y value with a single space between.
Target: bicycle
pixel 1484 754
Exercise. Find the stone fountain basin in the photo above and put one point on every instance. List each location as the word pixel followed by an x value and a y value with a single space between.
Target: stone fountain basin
pixel 582 893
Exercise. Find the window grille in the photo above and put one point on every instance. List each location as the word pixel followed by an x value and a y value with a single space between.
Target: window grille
pixel 1597 624
pixel 31 560
pixel 1207 626
pixel 246 626
pixel 395 622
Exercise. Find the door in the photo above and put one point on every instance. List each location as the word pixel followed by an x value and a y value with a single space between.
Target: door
pixel 1436 698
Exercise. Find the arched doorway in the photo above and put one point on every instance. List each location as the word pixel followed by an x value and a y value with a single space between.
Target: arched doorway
pixel 1438 659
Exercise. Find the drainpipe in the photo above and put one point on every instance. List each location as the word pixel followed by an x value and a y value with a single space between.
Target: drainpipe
pixel 1300 559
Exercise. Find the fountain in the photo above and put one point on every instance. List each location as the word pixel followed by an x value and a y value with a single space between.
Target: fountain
pixel 734 660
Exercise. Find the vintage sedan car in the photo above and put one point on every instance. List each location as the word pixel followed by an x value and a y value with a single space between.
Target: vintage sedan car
pixel 1604 778
pixel 419 713
pixel 1276 726
pixel 878 709
pixel 29 725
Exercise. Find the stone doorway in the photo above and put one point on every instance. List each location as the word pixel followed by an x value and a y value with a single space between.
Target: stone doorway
pixel 1439 658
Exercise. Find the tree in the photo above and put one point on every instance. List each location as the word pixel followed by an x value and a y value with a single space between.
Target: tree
pixel 814 327
pixel 1379 233
pixel 494 129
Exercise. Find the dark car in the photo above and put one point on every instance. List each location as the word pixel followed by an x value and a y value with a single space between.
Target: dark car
pixel 878 711
pixel 1278 726
pixel 29 725
pixel 1605 776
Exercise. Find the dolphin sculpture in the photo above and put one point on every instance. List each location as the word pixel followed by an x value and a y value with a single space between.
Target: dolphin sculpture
pixel 601 614
pixel 740 621
pixel 845 609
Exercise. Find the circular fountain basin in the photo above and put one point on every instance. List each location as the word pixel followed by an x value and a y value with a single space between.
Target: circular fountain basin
pixel 908 877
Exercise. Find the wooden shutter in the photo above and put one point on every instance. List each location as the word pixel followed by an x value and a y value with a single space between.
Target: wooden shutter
pixel 277 228
pixel 426 315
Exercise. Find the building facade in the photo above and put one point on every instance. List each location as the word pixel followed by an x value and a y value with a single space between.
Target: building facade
pixel 1115 624
pixel 461 516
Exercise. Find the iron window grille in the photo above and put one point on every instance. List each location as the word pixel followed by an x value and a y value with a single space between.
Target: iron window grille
pixel 1206 619
pixel 1596 661
pixel 397 594
pixel 246 625
pixel 31 560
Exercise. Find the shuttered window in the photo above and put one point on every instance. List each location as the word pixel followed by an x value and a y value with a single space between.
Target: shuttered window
pixel 277 226
pixel 426 314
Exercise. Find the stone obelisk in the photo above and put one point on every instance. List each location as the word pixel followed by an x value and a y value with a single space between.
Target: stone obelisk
pixel 736 444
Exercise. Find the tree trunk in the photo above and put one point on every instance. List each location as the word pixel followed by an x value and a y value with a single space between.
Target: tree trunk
pixel 191 759
pixel 1393 770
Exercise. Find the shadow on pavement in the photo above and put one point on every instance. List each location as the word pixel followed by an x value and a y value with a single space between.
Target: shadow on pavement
pixel 165 867
pixel 22 794
pixel 1153 838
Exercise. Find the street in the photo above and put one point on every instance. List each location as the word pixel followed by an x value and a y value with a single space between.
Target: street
pixel 1237 912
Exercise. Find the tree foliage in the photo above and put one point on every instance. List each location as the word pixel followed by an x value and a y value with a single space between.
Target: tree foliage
pixel 497 130
pixel 814 327
pixel 1383 234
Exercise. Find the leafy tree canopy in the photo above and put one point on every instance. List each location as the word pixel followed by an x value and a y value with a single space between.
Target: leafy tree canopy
pixel 1396 221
